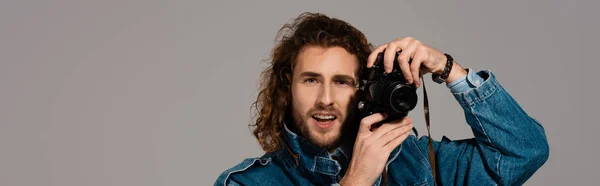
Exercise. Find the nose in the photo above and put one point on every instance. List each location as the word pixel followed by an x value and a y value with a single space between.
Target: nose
pixel 325 96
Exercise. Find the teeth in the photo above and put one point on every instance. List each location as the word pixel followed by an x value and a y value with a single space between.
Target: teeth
pixel 324 116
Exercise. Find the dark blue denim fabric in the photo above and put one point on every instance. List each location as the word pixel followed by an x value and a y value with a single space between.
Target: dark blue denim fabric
pixel 509 146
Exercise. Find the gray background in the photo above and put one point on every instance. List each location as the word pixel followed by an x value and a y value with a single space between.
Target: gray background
pixel 158 93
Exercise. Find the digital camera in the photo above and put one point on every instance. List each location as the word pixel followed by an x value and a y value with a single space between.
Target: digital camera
pixel 388 93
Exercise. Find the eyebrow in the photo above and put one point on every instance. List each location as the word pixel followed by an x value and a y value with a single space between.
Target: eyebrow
pixel 310 74
pixel 337 76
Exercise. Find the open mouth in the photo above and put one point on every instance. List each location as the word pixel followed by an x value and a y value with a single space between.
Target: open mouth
pixel 324 118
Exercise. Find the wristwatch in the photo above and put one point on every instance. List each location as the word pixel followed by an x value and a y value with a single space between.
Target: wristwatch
pixel 440 78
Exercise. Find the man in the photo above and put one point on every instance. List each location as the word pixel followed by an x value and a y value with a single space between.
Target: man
pixel 309 126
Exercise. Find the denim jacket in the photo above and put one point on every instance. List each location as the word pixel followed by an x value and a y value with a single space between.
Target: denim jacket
pixel 508 147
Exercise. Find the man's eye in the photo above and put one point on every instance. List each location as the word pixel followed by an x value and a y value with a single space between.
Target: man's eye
pixel 310 80
pixel 341 82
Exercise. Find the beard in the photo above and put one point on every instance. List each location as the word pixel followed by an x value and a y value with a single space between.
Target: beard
pixel 331 139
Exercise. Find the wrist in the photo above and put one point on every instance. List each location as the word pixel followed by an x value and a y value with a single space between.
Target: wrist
pixel 440 69
pixel 456 72
pixel 441 75
pixel 350 180
pixel 346 181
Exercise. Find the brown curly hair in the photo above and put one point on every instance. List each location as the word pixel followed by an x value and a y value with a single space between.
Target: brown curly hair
pixel 274 94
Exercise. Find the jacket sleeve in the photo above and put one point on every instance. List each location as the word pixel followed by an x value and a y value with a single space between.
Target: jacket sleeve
pixel 508 147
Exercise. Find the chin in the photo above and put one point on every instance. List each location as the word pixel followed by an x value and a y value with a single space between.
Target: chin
pixel 324 134
pixel 325 139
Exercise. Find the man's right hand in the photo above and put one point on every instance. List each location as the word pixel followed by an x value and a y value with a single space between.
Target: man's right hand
pixel 373 147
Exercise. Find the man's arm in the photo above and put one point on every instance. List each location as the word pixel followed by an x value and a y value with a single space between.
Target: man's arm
pixel 509 145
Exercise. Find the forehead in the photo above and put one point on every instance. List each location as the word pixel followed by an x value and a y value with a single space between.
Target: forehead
pixel 326 61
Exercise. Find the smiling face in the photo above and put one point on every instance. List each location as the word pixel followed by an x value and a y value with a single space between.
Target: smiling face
pixel 323 93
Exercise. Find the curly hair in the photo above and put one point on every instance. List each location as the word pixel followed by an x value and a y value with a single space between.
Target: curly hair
pixel 274 94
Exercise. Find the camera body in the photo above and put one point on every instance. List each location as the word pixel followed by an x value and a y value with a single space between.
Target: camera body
pixel 388 93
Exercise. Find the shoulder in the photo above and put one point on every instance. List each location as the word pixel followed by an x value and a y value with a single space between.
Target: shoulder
pixel 250 171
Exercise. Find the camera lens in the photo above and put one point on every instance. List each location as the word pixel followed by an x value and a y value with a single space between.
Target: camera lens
pixel 403 98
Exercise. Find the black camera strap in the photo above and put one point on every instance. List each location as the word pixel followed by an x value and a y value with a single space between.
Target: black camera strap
pixel 429 143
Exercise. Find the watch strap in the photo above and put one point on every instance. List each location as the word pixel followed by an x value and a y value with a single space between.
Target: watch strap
pixel 440 78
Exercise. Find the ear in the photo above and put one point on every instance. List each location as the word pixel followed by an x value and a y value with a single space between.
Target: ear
pixel 288 77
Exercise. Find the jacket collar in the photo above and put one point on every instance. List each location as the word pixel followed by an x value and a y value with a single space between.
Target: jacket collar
pixel 316 162
pixel 312 159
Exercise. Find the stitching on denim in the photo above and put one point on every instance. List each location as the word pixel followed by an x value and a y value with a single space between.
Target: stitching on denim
pixel 378 181
pixel 498 166
pixel 421 183
pixel 289 131
pixel 485 133
pixel 343 153
pixel 466 99
pixel 240 170
pixel 487 94
pixel 477 99
pixel 314 165
pixel 394 158
pixel 483 129
pixel 422 155
pixel 294 169
pixel 328 168
pixel 267 161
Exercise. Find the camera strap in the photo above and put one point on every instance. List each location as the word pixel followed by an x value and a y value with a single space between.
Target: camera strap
pixel 429 143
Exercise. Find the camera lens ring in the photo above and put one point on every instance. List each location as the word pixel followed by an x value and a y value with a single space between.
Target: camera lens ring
pixel 402 98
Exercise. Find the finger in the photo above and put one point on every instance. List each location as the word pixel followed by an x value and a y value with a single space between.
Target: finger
pixel 403 121
pixel 365 123
pixel 389 147
pixel 393 134
pixel 390 52
pixel 373 55
pixel 415 67
pixel 389 55
pixel 387 127
pixel 384 129
pixel 404 58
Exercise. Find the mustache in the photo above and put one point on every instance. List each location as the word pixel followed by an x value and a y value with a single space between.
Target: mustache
pixel 327 109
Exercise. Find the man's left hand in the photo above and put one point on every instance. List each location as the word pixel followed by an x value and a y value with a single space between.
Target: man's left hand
pixel 424 58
